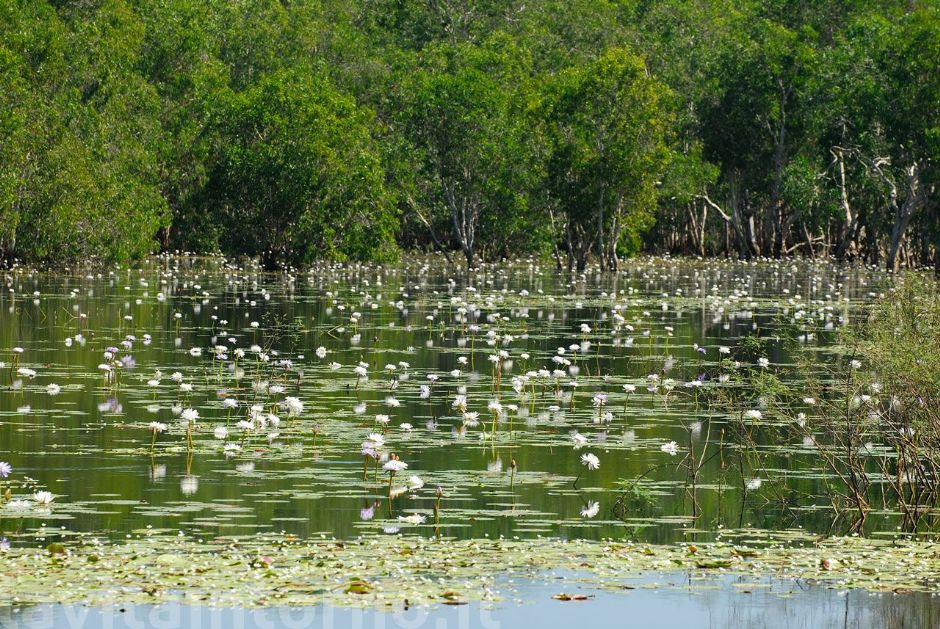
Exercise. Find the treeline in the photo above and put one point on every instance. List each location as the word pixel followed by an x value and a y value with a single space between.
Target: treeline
pixel 580 129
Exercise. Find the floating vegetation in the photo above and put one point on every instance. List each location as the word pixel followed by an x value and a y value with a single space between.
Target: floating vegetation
pixel 387 571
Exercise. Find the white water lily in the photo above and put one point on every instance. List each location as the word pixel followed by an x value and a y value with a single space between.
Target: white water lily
pixel 591 509
pixel 590 461
pixel 293 405
pixel 670 447
pixel 414 518
pixel 395 465
pixel 43 498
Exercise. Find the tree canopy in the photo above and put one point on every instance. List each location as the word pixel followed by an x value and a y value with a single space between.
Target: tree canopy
pixel 580 129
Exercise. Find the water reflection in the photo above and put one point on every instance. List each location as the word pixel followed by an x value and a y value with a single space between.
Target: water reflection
pixel 421 335
pixel 666 601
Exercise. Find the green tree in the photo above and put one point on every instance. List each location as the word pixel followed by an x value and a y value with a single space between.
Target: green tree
pixel 88 175
pixel 767 83
pixel 295 174
pixel 609 124
pixel 884 133
pixel 178 58
pixel 464 114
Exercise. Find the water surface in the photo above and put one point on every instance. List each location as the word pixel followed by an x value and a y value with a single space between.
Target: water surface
pixel 90 444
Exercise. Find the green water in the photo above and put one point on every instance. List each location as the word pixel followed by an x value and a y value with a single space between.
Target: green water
pixel 90 444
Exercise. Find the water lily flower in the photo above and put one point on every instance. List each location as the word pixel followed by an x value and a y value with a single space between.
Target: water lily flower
pixel 590 461
pixel 414 518
pixel 395 465
pixel 293 405
pixel 43 498
pixel 591 509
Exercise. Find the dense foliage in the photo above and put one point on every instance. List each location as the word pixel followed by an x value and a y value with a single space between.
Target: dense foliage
pixel 870 410
pixel 328 129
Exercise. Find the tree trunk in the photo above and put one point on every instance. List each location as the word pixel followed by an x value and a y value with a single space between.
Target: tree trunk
pixel 904 212
pixel 776 207
pixel 601 245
